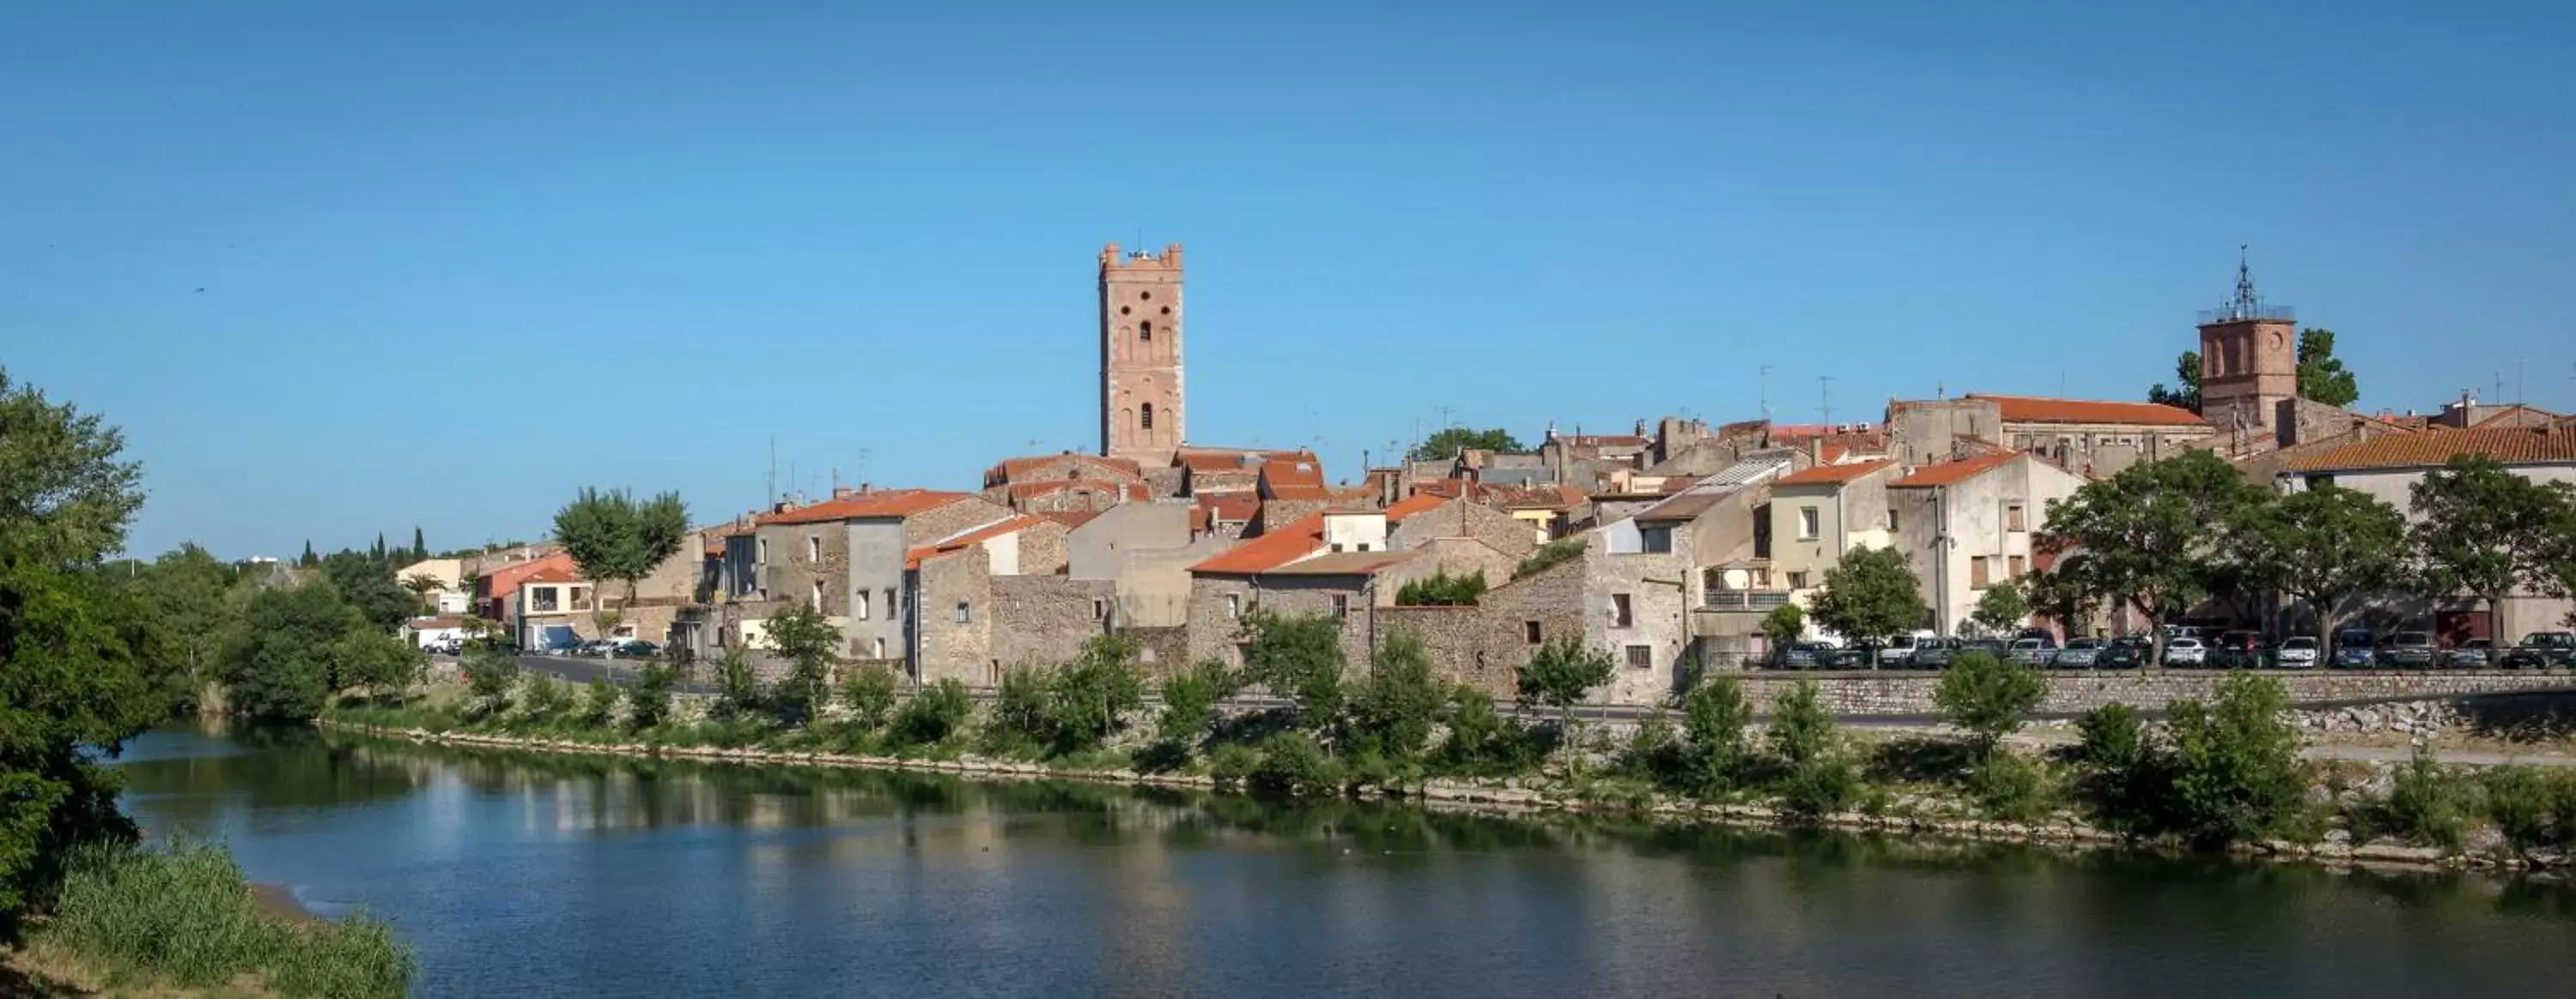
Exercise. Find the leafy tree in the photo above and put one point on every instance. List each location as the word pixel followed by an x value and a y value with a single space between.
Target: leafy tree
pixel 599 703
pixel 1549 556
pixel 491 675
pixel 547 698
pixel 1714 716
pixel 2064 592
pixel 2153 535
pixel 1783 625
pixel 1560 674
pixel 649 701
pixel 1988 697
pixel 2480 529
pixel 1440 589
pixel 187 590
pixel 613 536
pixel 1092 694
pixel 366 584
pixel 2322 377
pixel 811 646
pixel 309 560
pixel 381 663
pixel 2329 546
pixel 2002 608
pixel 1019 720
pixel 1445 444
pixel 1297 657
pixel 1481 741
pixel 2236 773
pixel 935 713
pixel 1189 702
pixel 1819 777
pixel 1392 711
pixel 869 693
pixel 1292 765
pixel 737 684
pixel 1870 594
pixel 377 553
pixel 2186 393
pixel 2128 782
pixel 278 665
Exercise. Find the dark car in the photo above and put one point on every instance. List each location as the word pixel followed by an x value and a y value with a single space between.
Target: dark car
pixel 2353 649
pixel 2236 650
pixel 635 648
pixel 2124 652
pixel 1857 655
pixel 1995 647
pixel 2542 649
pixel 1933 653
pixel 2476 653
pixel 2407 650
pixel 1802 655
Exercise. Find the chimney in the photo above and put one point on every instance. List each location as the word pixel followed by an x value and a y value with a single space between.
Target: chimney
pixel 840 492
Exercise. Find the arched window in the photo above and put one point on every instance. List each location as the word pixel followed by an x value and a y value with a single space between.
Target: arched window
pixel 1145 417
pixel 1145 330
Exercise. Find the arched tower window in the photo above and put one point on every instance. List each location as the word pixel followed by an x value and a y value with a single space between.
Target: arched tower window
pixel 1145 417
pixel 1145 330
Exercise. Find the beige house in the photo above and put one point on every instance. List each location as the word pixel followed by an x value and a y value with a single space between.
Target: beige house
pixel 2093 437
pixel 1967 525
pixel 1821 513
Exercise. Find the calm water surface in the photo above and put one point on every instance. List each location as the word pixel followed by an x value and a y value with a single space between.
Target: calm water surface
pixel 523 874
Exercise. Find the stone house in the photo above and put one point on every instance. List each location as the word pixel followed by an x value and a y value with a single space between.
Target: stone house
pixel 1966 525
pixel 1821 513
pixel 2088 437
pixel 983 612
pixel 846 558
pixel 1340 563
pixel 1144 551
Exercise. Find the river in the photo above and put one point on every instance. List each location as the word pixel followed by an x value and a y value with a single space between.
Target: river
pixel 519 874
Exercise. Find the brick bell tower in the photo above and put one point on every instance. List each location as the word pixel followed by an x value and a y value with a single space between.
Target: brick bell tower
pixel 2249 358
pixel 1141 410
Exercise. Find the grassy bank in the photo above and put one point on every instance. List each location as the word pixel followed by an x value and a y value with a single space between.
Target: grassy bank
pixel 182 921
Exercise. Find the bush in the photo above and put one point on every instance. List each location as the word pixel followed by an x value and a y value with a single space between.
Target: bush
pixel 1655 755
pixel 1018 721
pixel 1292 765
pixel 649 701
pixel 1714 715
pixel 737 685
pixel 1549 556
pixel 545 699
pixel 1392 711
pixel 185 915
pixel 1987 696
pixel 277 664
pixel 935 713
pixel 2011 787
pixel 1482 742
pixel 2427 805
pixel 1299 658
pixel 2532 808
pixel 2124 781
pixel 1819 778
pixel 491 676
pixel 1092 695
pixel 2236 773
pixel 1189 702
pixel 869 693
pixel 1440 589
pixel 1232 764
pixel 599 706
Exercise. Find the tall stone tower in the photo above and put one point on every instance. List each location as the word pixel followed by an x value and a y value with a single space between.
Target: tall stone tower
pixel 2249 358
pixel 1141 410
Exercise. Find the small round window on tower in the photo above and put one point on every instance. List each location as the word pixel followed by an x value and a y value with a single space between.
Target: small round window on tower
pixel 1123 310
pixel 1146 295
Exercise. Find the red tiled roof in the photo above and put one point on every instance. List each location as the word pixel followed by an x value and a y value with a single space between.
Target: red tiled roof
pixel 2037 409
pixel 1831 474
pixel 506 579
pixel 1235 507
pixel 913 559
pixel 1223 459
pixel 1269 551
pixel 1950 473
pixel 1302 470
pixel 1410 505
pixel 1298 491
pixel 882 503
pixel 1042 487
pixel 2554 444
pixel 551 574
pixel 1069 518
pixel 1010 469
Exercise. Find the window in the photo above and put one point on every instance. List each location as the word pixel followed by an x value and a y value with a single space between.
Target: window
pixel 1621 614
pixel 818 594
pixel 813 548
pixel 1641 657
pixel 1145 417
pixel 1977 573
pixel 876 648
pixel 1099 609
pixel 892 609
pixel 1797 579
pixel 2015 567
pixel 1891 520
pixel 1341 605
pixel 764 551
pixel 1364 546
pixel 1337 547
pixel 1233 606
pixel 2012 518
pixel 964 615
pixel 580 598
pixel 1656 540
pixel 1529 632
pixel 1145 330
pixel 543 598
pixel 1810 523
pixel 859 607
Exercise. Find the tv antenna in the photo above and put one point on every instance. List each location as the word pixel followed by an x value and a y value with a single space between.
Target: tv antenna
pixel 1825 397
pixel 1766 392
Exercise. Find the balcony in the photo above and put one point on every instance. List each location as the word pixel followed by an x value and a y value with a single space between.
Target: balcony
pixel 1745 600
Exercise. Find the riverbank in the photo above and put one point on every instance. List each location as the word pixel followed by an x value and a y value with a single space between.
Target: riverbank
pixel 1921 813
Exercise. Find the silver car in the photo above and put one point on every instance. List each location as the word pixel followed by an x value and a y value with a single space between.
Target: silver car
pixel 2296 653
pixel 2185 651
pixel 2079 653
pixel 2029 651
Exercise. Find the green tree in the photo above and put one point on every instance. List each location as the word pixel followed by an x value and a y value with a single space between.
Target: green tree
pixel 934 713
pixel 1988 697
pixel 2186 393
pixel 1445 444
pixel 278 665
pixel 649 701
pixel 1190 696
pixel 1549 556
pixel 419 545
pixel 1560 674
pixel 2480 529
pixel 2002 608
pixel 1870 594
pixel 422 585
pixel 382 664
pixel 869 693
pixel 737 684
pixel 2329 546
pixel 187 589
pixel 2236 772
pixel 366 584
pixel 1440 589
pixel 1818 776
pixel 2128 783
pixel 1393 710
pixel 1714 716
pixel 811 646
pixel 2154 535
pixel 613 536
pixel 1092 695
pixel 491 675
pixel 1298 657
pixel 2322 377
pixel 599 703
pixel 1782 626
pixel 310 560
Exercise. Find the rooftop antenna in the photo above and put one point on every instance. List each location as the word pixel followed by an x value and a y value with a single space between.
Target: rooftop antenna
pixel 1445 422
pixel 1825 396
pixel 773 473
pixel 863 466
pixel 2499 388
pixel 1766 393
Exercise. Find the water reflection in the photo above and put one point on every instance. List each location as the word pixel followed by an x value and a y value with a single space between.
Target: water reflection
pixel 550 874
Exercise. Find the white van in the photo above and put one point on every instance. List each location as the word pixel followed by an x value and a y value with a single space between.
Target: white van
pixel 1899 649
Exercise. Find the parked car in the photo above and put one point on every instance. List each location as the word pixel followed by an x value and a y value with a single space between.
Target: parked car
pixel 2476 653
pixel 2186 651
pixel 1801 655
pixel 2407 650
pixel 2355 648
pixel 1899 649
pixel 635 648
pixel 2124 652
pixel 2236 650
pixel 1933 653
pixel 596 648
pixel 2033 651
pixel 2079 653
pixel 2298 652
pixel 2542 649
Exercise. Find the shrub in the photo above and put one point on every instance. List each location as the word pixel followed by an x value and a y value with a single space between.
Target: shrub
pixel 1391 712
pixel 1655 755
pixel 1481 741
pixel 2011 787
pixel 1819 778
pixel 935 713
pixel 1714 715
pixel 1987 696
pixel 2427 804
pixel 1299 658
pixel 2236 773
pixel 599 706
pixel 2125 780
pixel 490 676
pixel 1292 765
pixel 1440 589
pixel 1549 556
pixel 2531 807
pixel 1559 675
pixel 737 685
pixel 1189 702
pixel 1091 696
pixel 1018 721
pixel 1231 764
pixel 185 915
pixel 649 701
pixel 546 698
pixel 869 693
pixel 1822 786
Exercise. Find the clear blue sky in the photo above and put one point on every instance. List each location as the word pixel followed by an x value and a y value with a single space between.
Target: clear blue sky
pixel 460 259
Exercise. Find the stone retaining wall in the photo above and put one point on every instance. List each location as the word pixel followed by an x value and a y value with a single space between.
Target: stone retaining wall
pixel 1850 694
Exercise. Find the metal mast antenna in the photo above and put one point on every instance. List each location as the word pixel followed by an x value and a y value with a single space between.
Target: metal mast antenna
pixel 1766 392
pixel 1825 395
pixel 773 474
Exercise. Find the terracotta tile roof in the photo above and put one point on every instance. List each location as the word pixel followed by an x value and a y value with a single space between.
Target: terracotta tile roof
pixel 1950 473
pixel 506 579
pixel 1232 507
pixel 1295 491
pixel 1269 551
pixel 1069 518
pixel 1832 474
pixel 1042 487
pixel 2555 444
pixel 1018 469
pixel 1221 459
pixel 881 503
pixel 913 559
pixel 551 574
pixel 1410 505
pixel 2038 409
pixel 1343 564
pixel 1299 471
